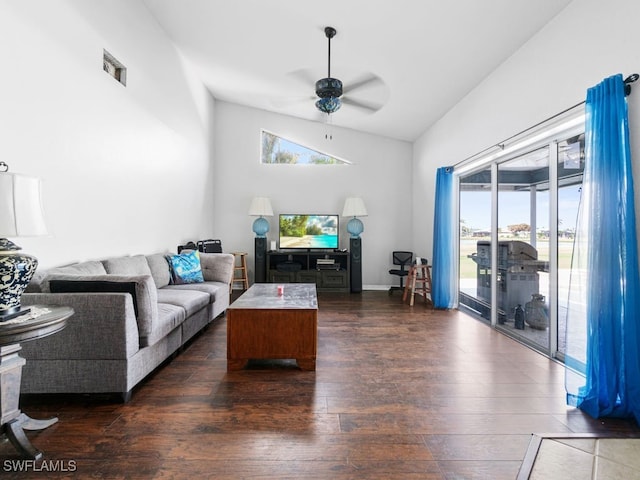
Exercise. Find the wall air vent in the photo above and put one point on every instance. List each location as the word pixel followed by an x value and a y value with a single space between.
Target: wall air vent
pixel 114 68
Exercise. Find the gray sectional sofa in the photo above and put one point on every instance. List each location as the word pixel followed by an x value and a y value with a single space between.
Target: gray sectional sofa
pixel 128 319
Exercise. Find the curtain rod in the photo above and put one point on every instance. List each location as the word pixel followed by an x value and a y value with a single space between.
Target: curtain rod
pixel 627 90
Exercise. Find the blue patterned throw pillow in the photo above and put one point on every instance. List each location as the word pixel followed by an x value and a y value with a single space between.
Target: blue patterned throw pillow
pixel 185 268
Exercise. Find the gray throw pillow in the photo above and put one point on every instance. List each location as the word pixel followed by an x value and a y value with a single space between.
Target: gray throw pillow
pixel 134 265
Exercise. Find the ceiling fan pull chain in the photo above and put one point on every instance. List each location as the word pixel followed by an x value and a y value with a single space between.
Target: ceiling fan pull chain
pixel 329 134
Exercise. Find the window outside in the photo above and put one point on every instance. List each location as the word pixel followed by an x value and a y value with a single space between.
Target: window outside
pixel 279 150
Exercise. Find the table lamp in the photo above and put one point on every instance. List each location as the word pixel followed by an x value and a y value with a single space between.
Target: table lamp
pixel 354 207
pixel 261 207
pixel 20 215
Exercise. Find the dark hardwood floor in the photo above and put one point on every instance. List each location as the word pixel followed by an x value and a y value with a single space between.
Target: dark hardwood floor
pixel 399 393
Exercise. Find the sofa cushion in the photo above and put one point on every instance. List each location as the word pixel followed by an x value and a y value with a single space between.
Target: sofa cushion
pixel 217 267
pixel 169 317
pixel 185 268
pixel 39 282
pixel 146 296
pixel 159 266
pixel 210 288
pixel 191 301
pixel 133 265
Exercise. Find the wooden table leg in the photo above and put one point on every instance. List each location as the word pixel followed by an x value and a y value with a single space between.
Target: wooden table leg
pixel 29 423
pixel 306 363
pixel 15 433
pixel 12 421
pixel 236 364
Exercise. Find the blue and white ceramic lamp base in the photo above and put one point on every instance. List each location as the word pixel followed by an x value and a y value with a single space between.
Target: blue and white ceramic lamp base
pixel 16 271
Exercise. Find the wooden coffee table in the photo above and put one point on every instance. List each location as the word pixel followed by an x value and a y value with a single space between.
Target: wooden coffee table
pixel 264 325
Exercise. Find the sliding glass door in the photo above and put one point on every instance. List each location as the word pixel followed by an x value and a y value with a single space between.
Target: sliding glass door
pixel 570 169
pixel 523 247
pixel 475 229
pixel 521 209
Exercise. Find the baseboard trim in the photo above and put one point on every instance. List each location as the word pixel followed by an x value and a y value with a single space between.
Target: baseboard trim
pixel 382 288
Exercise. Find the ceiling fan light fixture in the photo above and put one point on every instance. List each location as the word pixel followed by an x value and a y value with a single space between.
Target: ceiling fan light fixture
pixel 329 105
pixel 328 87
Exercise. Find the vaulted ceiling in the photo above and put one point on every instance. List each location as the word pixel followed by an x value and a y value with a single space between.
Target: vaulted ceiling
pixel 415 58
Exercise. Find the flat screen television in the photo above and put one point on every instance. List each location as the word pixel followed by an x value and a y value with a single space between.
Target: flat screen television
pixel 308 231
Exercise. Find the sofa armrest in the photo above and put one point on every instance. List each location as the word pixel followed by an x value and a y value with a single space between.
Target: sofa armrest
pixel 103 326
pixel 217 267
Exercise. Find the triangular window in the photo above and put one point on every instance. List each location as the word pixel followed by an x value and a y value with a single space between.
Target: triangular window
pixel 279 150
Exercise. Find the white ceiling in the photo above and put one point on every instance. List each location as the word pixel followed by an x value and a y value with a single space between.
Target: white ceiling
pixel 428 53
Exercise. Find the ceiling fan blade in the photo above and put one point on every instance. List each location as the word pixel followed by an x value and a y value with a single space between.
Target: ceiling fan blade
pixel 369 106
pixel 370 80
pixel 305 75
pixel 292 101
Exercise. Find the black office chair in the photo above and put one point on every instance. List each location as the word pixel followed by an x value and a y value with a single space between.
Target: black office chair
pixel 402 259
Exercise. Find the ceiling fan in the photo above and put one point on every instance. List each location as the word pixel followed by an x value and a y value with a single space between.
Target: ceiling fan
pixel 330 90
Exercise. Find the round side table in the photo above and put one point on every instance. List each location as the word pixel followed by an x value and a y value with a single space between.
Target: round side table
pixel 41 321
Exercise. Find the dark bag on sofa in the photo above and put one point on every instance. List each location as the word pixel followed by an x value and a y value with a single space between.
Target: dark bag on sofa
pixel 187 246
pixel 210 246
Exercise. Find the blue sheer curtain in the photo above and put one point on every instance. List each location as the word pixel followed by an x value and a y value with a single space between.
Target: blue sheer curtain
pixel 603 338
pixel 444 261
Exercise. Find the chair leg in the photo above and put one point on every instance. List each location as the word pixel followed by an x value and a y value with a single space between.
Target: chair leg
pixel 427 286
pixel 423 283
pixel 410 285
pixel 414 279
pixel 400 288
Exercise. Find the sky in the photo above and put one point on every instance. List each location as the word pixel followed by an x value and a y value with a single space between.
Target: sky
pixel 513 208
pixel 304 153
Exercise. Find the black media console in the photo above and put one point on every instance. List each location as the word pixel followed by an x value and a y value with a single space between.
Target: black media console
pixel 328 270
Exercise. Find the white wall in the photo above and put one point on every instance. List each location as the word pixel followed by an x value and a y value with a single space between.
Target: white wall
pixel 125 170
pixel 589 41
pixel 129 170
pixel 380 174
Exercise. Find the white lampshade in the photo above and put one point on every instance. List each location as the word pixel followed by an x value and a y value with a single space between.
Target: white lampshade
pixel 20 206
pixel 261 207
pixel 354 207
